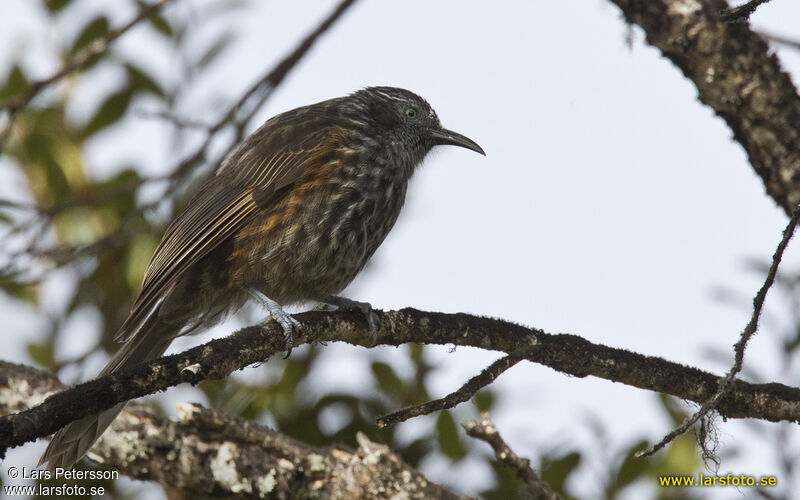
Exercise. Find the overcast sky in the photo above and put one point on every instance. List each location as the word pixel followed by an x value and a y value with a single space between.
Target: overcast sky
pixel 611 204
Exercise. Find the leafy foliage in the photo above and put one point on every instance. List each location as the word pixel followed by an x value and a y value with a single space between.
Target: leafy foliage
pixel 97 29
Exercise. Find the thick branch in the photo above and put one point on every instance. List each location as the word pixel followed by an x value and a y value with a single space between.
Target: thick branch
pixel 207 452
pixel 569 354
pixel 737 76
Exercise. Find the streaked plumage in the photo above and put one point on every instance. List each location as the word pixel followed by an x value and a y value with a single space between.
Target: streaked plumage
pixel 295 214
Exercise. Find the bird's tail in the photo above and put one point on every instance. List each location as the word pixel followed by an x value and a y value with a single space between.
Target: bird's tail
pixel 72 442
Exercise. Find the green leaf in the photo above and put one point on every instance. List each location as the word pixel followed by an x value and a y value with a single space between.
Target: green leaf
pixel 140 250
pixel 18 290
pixel 213 389
pixel 388 381
pixel 484 400
pixel 507 484
pixel 632 468
pixel 416 451
pixel 449 439
pixel 141 81
pixel 417 353
pixel 98 28
pixel 161 24
pixel 123 182
pixel 56 5
pixel 674 408
pixel 158 21
pixel 110 111
pixel 555 471
pixel 42 147
pixel 681 457
pixel 41 354
pixel 14 85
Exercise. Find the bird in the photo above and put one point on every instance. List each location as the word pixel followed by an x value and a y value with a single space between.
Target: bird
pixel 293 215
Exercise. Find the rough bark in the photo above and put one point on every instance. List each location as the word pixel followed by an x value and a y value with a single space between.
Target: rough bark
pixel 738 77
pixel 485 430
pixel 207 452
pixel 569 354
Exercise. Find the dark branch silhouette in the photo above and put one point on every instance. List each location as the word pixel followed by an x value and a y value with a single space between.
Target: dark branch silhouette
pixel 569 354
pixel 742 12
pixel 259 92
pixel 781 40
pixel 726 384
pixel 461 395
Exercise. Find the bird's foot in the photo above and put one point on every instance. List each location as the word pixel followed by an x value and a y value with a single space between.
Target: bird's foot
pixel 276 313
pixel 344 303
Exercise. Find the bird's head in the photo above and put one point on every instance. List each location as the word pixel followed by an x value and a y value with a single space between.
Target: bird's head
pixel 405 122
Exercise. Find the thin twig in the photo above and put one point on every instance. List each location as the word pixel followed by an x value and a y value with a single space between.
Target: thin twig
pixel 464 393
pixel 176 121
pixel 485 430
pixel 84 57
pixel 782 40
pixel 262 89
pixel 16 205
pixel 741 13
pixel 726 383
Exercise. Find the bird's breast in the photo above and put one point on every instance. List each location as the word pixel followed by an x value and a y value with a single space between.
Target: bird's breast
pixel 315 240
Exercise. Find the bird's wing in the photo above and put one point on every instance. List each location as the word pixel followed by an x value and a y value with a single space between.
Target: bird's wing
pixel 268 162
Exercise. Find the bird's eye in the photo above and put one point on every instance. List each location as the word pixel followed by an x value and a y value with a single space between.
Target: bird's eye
pixel 411 113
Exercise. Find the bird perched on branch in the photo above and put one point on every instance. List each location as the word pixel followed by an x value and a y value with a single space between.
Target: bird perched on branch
pixel 293 215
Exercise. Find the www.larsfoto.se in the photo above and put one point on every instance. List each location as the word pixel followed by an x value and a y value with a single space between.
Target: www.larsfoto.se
pixel 729 479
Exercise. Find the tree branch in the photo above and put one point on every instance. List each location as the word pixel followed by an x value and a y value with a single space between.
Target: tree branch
pixel 726 384
pixel 259 92
pixel 486 431
pixel 741 13
pixel 207 452
pixel 737 76
pixel 461 395
pixel 569 354
pixel 781 40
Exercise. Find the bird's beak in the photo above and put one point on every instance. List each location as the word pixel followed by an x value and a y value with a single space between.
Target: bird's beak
pixel 443 136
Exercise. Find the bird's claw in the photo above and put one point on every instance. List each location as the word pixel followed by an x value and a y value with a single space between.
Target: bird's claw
pixel 289 325
pixel 365 307
pixel 372 321
pixel 276 312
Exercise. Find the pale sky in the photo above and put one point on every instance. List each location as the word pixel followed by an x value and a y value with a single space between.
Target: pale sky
pixel 611 203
